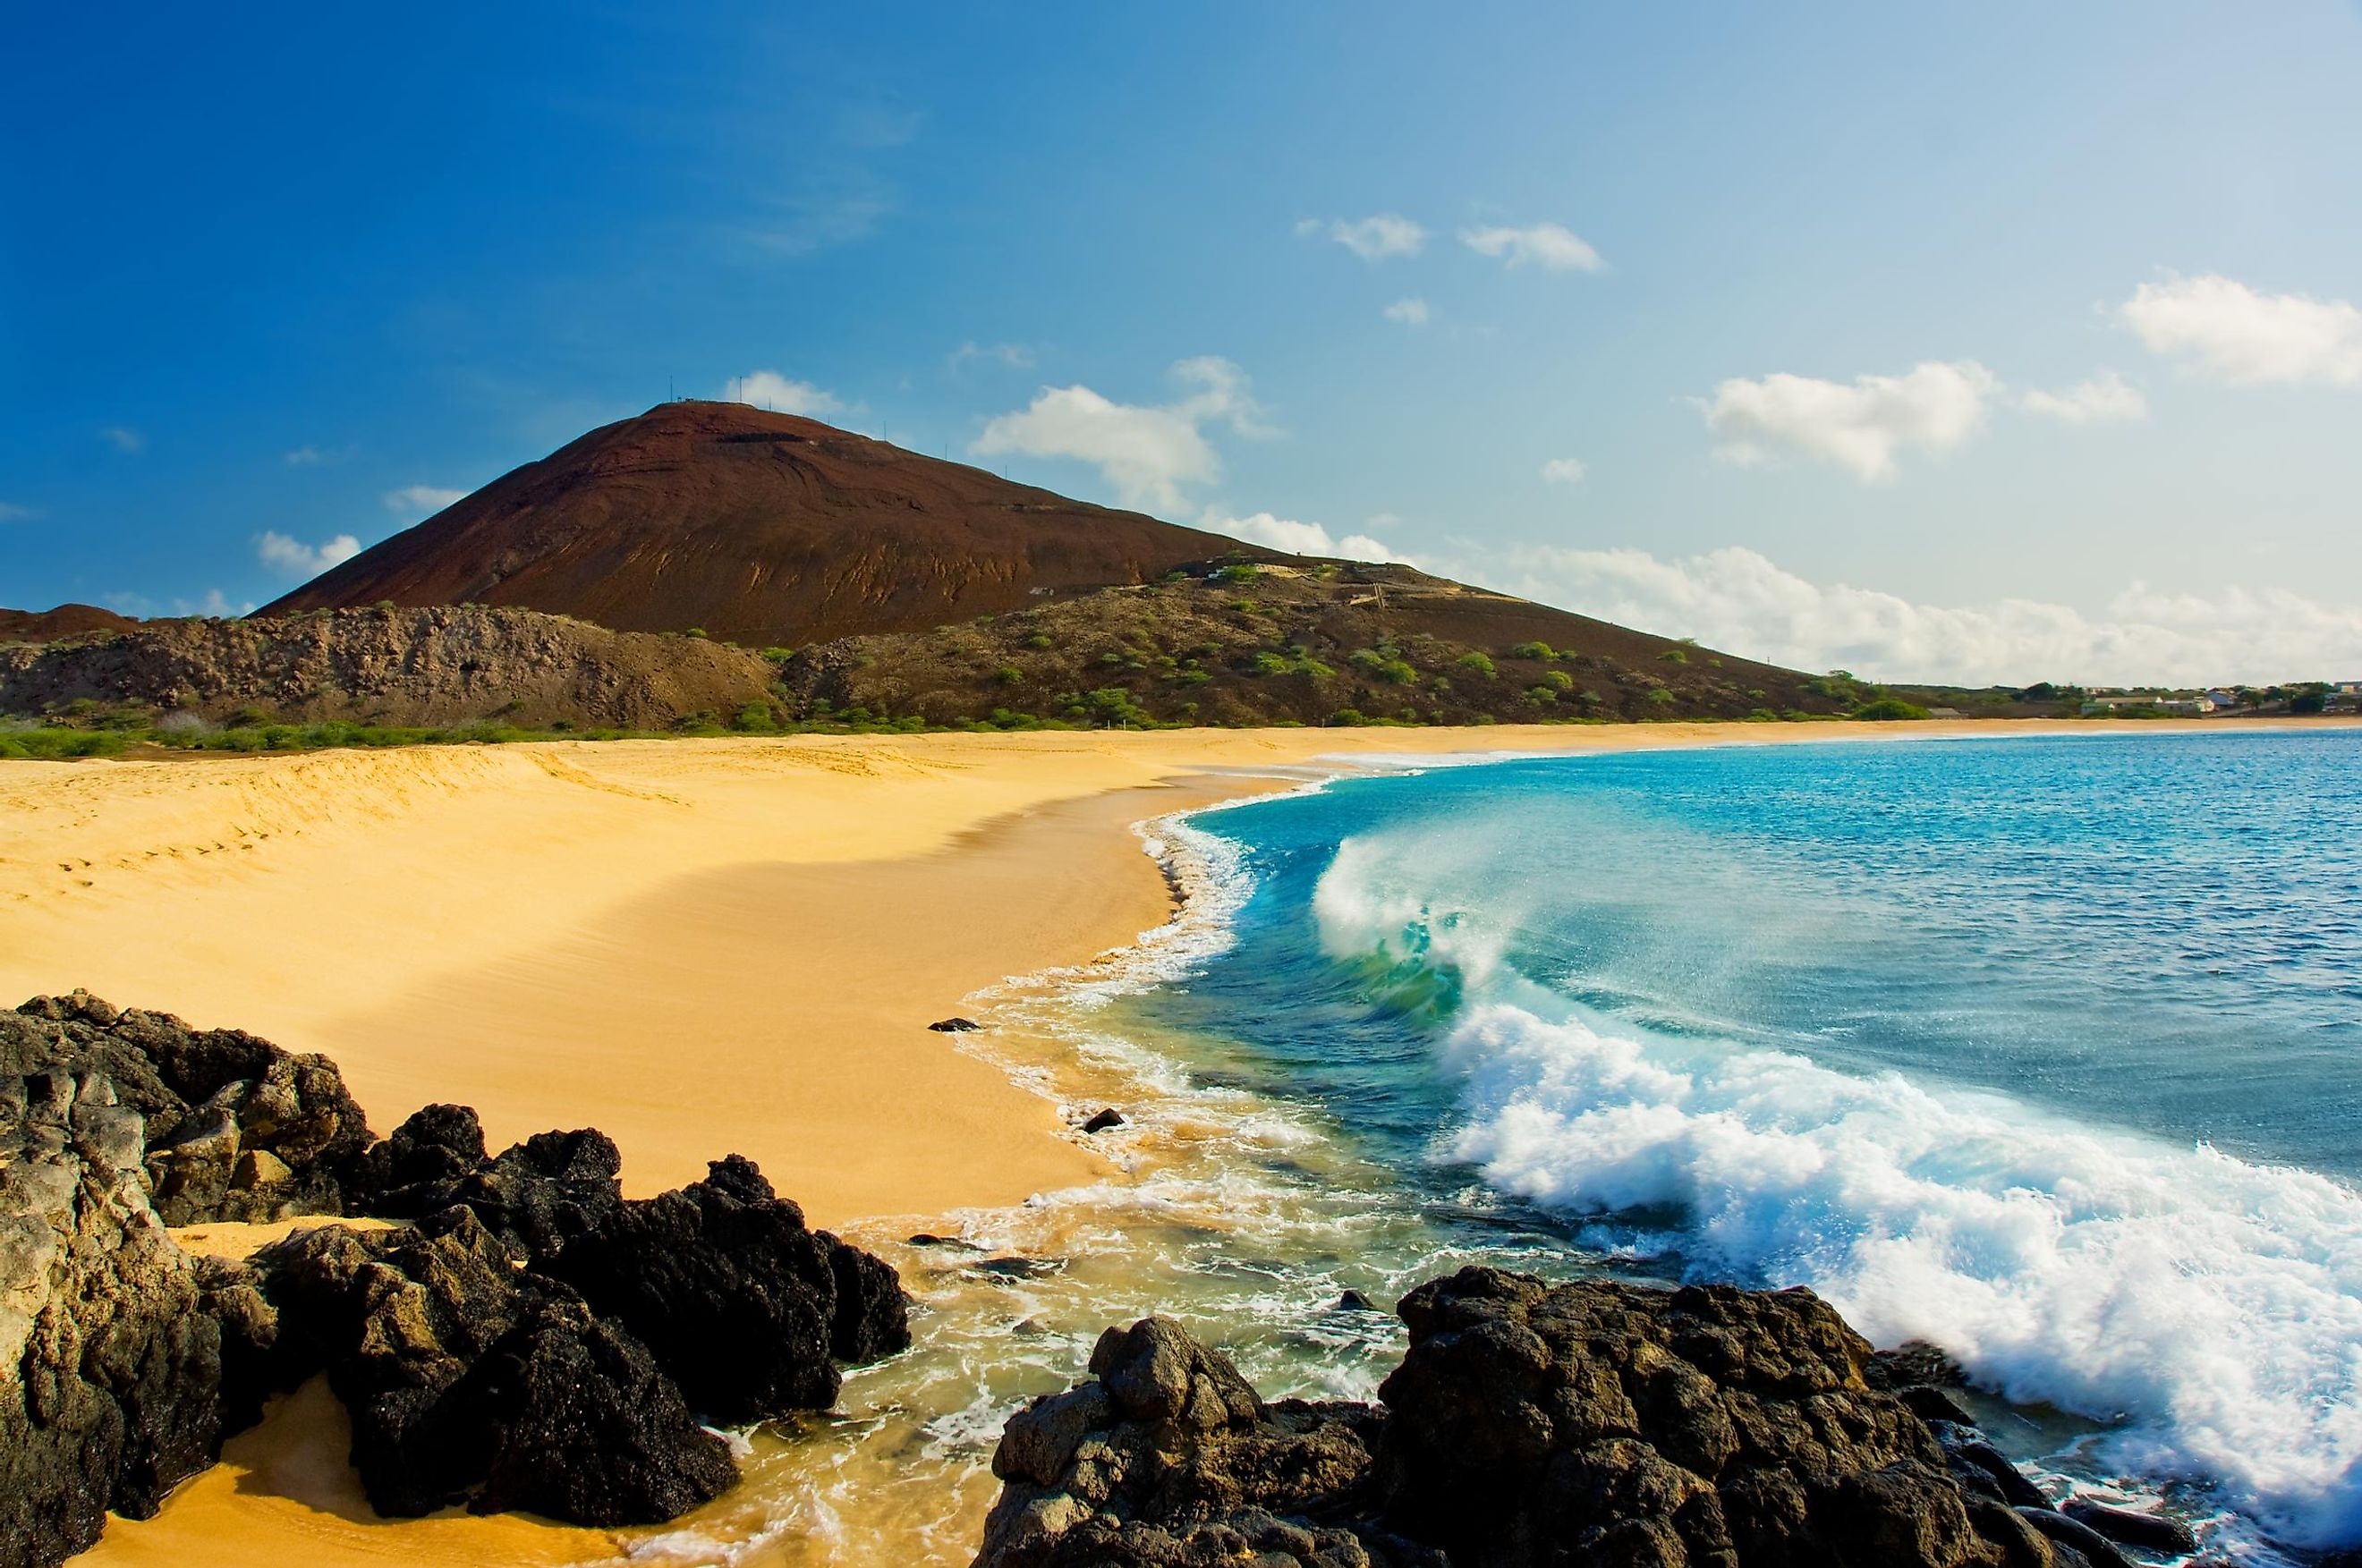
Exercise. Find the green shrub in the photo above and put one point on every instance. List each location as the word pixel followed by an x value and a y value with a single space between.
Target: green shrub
pixel 1239 572
pixel 1040 639
pixel 1558 680
pixel 1542 693
pixel 1673 656
pixel 1113 707
pixel 1008 675
pixel 1480 662
pixel 1886 709
pixel 1541 650
pixel 694 631
pixel 778 655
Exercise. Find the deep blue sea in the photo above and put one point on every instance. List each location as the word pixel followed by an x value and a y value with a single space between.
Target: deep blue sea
pixel 2048 1050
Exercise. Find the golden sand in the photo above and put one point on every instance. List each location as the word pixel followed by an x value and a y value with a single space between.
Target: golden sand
pixel 697 946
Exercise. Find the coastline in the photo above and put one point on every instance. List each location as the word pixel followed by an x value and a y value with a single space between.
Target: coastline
pixel 696 946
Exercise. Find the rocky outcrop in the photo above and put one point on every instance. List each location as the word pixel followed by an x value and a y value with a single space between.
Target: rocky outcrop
pixel 109 1371
pixel 1528 1424
pixel 529 1339
pixel 447 665
pixel 535 1341
pixel 470 1378
pixel 742 1304
pixel 235 1127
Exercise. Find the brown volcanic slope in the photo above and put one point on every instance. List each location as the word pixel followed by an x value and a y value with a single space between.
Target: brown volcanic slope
pixel 66 620
pixel 757 528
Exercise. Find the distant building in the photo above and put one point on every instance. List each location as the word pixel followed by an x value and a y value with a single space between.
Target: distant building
pixel 2149 702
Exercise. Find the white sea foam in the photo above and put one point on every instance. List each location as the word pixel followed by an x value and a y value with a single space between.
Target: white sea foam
pixel 2211 1307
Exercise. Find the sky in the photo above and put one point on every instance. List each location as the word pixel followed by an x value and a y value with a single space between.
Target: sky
pixel 1982 344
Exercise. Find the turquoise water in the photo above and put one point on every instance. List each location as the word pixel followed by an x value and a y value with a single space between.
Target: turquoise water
pixel 2048 1050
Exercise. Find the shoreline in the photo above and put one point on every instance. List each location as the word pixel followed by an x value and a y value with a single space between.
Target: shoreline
pixel 769 985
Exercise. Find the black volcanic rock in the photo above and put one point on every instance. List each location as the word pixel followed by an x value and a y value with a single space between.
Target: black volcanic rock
pixel 469 1378
pixel 1572 1426
pixel 742 1304
pixel 540 1195
pixel 110 1374
pixel 234 1128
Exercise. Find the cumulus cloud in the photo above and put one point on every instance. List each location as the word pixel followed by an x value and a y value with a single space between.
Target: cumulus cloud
pixel 1738 600
pixel 123 438
pixel 1410 312
pixel 415 502
pixel 1932 407
pixel 1296 538
pixel 1149 453
pixel 2221 328
pixel 2105 397
pixel 293 558
pixel 10 511
pixel 1563 471
pixel 1546 245
pixel 769 390
pixel 1374 238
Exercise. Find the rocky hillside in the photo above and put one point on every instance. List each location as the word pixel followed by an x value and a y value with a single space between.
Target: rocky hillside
pixel 759 528
pixel 1269 643
pixel 390 668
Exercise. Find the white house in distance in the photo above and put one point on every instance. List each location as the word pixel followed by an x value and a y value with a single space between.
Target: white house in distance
pixel 2153 702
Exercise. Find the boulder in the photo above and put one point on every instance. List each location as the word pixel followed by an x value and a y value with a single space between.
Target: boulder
pixel 540 1196
pixel 742 1304
pixel 1528 1424
pixel 2150 1532
pixel 470 1378
pixel 1102 1120
pixel 235 1128
pixel 110 1375
pixel 1169 1457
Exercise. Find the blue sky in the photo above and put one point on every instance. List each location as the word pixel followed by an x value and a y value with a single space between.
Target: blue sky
pixel 1980 343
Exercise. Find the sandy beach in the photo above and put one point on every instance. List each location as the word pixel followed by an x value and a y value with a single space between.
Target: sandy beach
pixel 699 946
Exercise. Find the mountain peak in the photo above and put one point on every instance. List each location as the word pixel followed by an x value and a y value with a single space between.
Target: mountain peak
pixel 761 527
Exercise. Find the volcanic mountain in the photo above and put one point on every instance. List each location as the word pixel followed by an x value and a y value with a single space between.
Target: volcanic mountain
pixel 757 528
pixel 66 620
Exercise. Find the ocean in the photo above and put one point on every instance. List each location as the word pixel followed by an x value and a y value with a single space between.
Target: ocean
pixel 2047 1050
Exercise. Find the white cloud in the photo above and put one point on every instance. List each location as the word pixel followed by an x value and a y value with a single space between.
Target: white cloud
pixel 293 558
pixel 12 512
pixel 2221 328
pixel 1374 238
pixel 1382 234
pixel 1296 538
pixel 1016 356
pixel 2107 397
pixel 769 390
pixel 1148 453
pixel 1547 245
pixel 313 456
pixel 1410 312
pixel 1737 600
pixel 1932 407
pixel 123 438
pixel 415 502
pixel 1563 471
